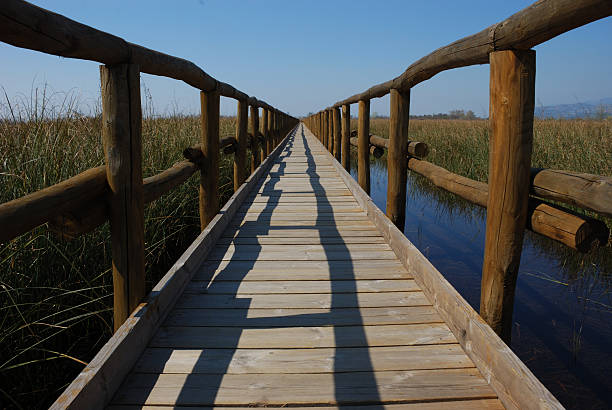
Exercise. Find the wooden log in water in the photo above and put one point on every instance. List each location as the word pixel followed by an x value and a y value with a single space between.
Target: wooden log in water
pixel 415 148
pixel 557 223
pixel 588 191
pixel 377 152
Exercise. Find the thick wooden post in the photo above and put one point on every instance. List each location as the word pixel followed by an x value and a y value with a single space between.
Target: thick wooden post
pixel 270 132
pixel 209 170
pixel 363 148
pixel 322 127
pixel 255 149
pixel 397 164
pixel 512 94
pixel 264 133
pixel 241 139
pixel 346 136
pixel 330 131
pixel 337 133
pixel 121 134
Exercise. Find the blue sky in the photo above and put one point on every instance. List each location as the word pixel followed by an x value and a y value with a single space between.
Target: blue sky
pixel 303 56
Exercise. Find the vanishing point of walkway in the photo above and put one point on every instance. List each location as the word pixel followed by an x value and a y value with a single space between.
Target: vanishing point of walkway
pixel 302 303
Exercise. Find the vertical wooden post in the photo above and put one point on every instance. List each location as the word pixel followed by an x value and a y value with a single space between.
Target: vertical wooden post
pixel 241 139
pixel 255 149
pixel 346 135
pixel 512 95
pixel 121 134
pixel 270 139
pixel 337 134
pixel 397 163
pixel 209 171
pixel 363 146
pixel 330 131
pixel 322 127
pixel 264 133
pixel 326 130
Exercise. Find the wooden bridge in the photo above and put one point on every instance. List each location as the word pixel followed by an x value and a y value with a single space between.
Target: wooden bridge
pixel 301 301
pixel 300 292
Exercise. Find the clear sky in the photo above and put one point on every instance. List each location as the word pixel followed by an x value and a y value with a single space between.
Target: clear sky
pixel 303 56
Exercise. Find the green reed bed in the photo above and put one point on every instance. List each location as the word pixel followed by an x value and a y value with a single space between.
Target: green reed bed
pixel 56 295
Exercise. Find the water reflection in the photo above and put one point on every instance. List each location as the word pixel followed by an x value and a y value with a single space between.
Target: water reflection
pixel 563 306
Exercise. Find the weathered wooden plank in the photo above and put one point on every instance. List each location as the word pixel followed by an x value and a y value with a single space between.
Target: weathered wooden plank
pixel 305 301
pixel 302 337
pixel 303 317
pixel 296 230
pixel 479 404
pixel 301 361
pixel 300 252
pixel 301 287
pixel 302 270
pixel 288 389
pixel 299 240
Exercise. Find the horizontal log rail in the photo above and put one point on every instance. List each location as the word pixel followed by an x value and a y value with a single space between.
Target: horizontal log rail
pixel 529 27
pixel 27 26
pixel 415 148
pixel 375 151
pixel 587 191
pixel 576 231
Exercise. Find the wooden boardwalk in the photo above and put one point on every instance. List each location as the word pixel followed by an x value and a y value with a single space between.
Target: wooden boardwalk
pixel 303 303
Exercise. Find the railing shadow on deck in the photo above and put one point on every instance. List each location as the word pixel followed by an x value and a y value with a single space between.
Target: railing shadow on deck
pixel 208 372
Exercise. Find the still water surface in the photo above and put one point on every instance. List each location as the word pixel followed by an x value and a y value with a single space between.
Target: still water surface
pixel 562 324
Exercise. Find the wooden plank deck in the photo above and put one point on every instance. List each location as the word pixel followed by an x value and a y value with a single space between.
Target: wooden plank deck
pixel 303 303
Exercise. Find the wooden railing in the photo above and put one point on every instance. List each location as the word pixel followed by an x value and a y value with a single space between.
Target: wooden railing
pixel 505 46
pixel 116 191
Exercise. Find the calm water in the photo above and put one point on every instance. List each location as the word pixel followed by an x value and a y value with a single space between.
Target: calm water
pixel 563 307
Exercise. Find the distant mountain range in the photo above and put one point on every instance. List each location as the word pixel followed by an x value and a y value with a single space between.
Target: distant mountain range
pixel 588 109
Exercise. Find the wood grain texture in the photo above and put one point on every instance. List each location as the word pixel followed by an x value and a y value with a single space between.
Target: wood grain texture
pixel 240 167
pixel 363 153
pixel 276 389
pixel 512 99
pixel 479 404
pixel 23 214
pixel 121 135
pixel 302 361
pixel 209 166
pixel 396 157
pixel 346 135
pixel 337 134
pixel 292 317
pixel 256 154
